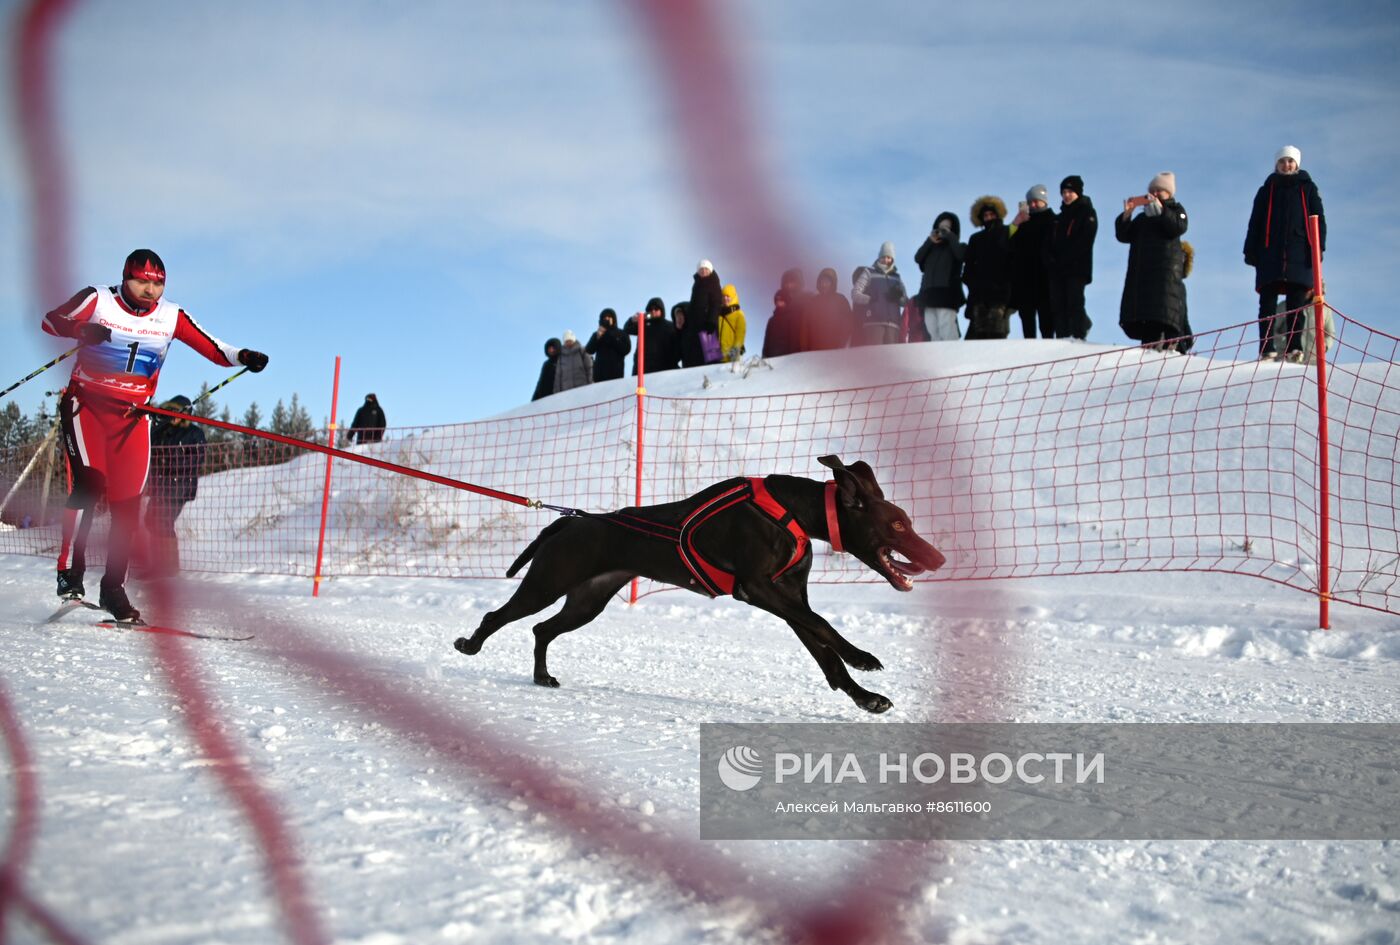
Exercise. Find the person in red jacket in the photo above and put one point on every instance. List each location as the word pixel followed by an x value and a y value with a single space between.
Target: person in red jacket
pixel 124 332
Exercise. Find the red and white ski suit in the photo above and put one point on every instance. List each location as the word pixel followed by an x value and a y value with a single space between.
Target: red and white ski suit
pixel 107 445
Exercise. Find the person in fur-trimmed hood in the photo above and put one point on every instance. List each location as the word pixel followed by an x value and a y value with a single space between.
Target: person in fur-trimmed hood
pixel 1071 259
pixel 987 271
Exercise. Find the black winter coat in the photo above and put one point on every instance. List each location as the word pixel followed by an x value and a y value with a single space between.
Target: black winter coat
pixel 1276 243
pixel 1154 295
pixel 706 302
pixel 369 423
pixel 663 351
pixel 987 266
pixel 942 267
pixel 545 385
pixel 609 350
pixel 784 332
pixel 827 322
pixel 1072 242
pixel 1030 275
pixel 177 454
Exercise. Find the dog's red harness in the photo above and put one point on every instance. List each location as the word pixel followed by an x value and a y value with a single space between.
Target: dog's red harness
pixel 715 580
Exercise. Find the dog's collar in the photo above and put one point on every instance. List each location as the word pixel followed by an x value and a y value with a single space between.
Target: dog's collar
pixel 833 525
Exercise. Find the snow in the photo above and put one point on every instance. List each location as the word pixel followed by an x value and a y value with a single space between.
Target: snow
pixel 138 844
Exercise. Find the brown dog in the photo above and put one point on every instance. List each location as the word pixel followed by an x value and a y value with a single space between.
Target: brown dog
pixel 747 537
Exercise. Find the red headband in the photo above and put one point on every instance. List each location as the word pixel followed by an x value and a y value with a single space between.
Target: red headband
pixel 149 272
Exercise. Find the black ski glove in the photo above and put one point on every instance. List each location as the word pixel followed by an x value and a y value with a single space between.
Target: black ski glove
pixel 254 361
pixel 91 333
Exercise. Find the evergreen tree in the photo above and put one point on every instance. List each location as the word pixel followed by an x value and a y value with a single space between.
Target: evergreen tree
pixel 280 421
pixel 299 422
pixel 252 446
pixel 252 417
pixel 203 403
pixel 218 434
pixel 14 427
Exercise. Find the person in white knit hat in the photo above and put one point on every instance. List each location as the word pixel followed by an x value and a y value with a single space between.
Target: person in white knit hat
pixel 878 297
pixel 1278 247
pixel 574 367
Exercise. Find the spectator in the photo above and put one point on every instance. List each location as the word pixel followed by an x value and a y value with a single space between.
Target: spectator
pixel 828 322
pixel 609 347
pixel 987 271
pixel 177 454
pixel 1030 274
pixel 1072 259
pixel 783 334
pixel 1154 296
pixel 662 350
pixel 878 298
pixel 679 316
pixel 940 259
pixel 1278 246
pixel 1282 326
pixel 574 368
pixel 732 326
pixel 545 385
pixel 702 318
pixel 369 423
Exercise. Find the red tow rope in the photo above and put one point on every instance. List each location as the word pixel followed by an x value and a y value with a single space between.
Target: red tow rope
pixel 355 458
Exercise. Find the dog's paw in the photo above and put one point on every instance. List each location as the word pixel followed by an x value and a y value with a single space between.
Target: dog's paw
pixel 865 662
pixel 547 681
pixel 467 646
pixel 874 702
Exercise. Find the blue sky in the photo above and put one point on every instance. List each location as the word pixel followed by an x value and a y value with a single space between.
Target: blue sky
pixel 432 189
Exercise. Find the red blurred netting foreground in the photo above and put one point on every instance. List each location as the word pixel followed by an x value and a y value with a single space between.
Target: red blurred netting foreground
pixel 1118 461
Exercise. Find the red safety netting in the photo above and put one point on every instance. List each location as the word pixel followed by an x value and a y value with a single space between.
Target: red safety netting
pixel 1128 459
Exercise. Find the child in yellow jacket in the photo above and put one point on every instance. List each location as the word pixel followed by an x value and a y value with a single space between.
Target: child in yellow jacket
pixel 732 326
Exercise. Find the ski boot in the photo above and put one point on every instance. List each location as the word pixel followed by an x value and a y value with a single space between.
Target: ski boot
pixel 113 600
pixel 70 584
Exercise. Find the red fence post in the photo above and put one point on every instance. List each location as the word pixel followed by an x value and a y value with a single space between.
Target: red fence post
pixel 326 492
pixel 1324 462
pixel 641 395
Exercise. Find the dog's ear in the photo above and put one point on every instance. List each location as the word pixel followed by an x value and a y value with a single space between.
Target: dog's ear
pixel 832 461
pixel 861 470
pixel 850 488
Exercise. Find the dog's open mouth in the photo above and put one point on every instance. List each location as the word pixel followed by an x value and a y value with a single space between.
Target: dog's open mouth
pixel 899 569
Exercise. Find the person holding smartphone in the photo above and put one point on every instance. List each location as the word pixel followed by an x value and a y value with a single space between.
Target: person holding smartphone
pixel 1153 309
pixel 1030 271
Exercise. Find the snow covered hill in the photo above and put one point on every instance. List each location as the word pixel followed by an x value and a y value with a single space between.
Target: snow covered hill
pixel 136 842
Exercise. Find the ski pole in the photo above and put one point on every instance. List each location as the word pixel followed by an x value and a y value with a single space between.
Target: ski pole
pixel 224 383
pixel 35 373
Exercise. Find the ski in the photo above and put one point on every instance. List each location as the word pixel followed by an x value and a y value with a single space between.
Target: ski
pixel 172 631
pixel 67 607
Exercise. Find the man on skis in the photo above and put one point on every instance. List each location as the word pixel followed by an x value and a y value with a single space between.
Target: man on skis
pixel 125 332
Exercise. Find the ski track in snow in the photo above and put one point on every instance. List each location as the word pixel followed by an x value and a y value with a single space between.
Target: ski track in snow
pixel 138 845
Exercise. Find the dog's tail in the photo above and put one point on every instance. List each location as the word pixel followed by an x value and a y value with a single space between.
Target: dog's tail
pixel 534 546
